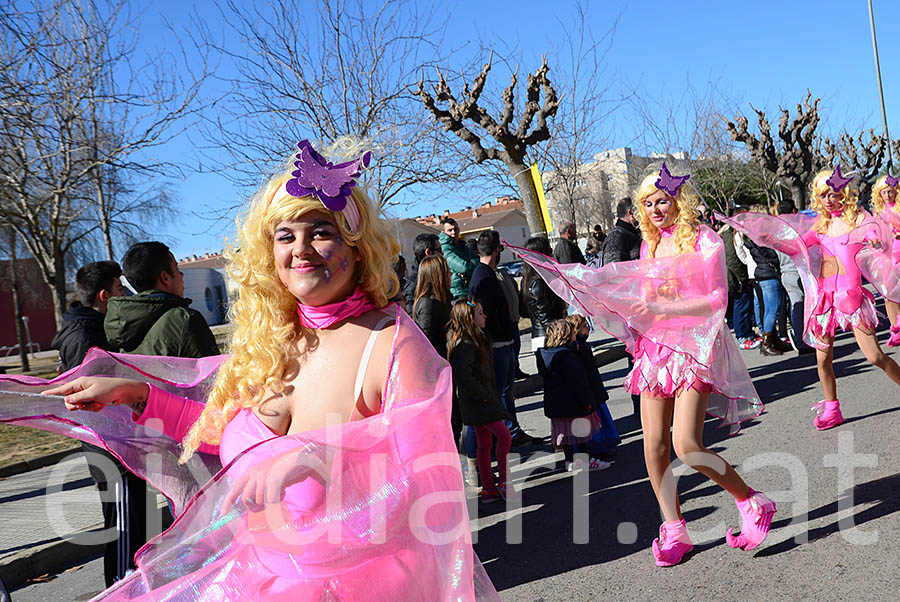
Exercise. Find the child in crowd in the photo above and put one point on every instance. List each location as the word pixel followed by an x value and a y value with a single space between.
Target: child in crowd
pixel 569 399
pixel 471 359
pixel 606 440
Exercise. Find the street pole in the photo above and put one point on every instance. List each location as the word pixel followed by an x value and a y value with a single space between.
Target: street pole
pixel 887 137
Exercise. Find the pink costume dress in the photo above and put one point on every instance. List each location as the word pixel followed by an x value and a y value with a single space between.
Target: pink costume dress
pixel 661 370
pixel 382 517
pixel 842 301
pixel 682 342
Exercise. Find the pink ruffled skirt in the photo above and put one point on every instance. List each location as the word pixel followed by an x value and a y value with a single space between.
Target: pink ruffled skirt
pixel 828 318
pixel 665 372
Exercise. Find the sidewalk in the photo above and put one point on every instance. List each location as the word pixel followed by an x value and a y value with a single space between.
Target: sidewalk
pixel 46 518
pixel 50 517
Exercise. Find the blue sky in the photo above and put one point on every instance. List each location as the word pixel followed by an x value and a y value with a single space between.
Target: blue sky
pixel 764 53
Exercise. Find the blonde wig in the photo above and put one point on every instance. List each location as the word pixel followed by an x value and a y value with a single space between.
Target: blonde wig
pixel 849 198
pixel 267 328
pixel 881 185
pixel 686 221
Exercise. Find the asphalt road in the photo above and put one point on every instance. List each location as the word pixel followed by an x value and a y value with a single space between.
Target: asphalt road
pixel 833 538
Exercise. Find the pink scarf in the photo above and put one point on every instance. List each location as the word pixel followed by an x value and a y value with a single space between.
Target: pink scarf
pixel 324 316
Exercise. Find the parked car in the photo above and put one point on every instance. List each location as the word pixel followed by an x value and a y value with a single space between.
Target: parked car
pixel 513 268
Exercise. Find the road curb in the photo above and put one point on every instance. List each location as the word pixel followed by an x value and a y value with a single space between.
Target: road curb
pixel 48 559
pixel 35 463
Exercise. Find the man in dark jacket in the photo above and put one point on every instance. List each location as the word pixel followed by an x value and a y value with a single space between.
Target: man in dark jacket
pixel 121 493
pixel 424 245
pixel 487 290
pixel 566 250
pixel 459 258
pixel 623 243
pixel 95 284
pixel 158 320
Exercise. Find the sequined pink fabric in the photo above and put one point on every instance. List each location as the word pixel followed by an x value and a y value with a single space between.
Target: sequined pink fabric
pixel 382 517
pixel 680 340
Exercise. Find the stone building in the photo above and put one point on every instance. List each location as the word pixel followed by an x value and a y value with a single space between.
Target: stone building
pixel 589 193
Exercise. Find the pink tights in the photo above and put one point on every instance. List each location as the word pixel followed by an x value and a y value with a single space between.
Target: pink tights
pixel 483 434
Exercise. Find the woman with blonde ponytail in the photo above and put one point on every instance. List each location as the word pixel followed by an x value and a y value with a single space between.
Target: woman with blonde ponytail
pixel 329 397
pixel 668 308
pixel 833 251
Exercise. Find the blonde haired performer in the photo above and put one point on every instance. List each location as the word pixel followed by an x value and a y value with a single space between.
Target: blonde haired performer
pixel 668 308
pixel 884 202
pixel 832 251
pixel 329 418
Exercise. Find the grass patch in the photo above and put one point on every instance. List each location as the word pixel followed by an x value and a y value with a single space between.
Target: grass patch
pixel 20 443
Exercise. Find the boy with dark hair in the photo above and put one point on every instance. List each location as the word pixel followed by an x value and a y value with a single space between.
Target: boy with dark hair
pixel 424 245
pixel 459 258
pixel 95 284
pixel 487 290
pixel 157 320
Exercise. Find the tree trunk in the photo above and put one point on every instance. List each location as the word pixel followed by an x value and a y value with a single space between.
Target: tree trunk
pixel 522 175
pixel 17 304
pixel 103 214
pixel 798 194
pixel 59 287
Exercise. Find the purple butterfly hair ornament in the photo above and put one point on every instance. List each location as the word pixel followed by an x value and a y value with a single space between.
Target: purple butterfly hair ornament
pixel 838 181
pixel 330 183
pixel 668 183
pixel 891 180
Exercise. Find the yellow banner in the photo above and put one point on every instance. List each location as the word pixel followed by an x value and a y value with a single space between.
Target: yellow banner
pixel 544 211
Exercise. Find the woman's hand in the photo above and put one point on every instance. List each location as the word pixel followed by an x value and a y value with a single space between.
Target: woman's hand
pixel 645 308
pixel 264 483
pixel 93 393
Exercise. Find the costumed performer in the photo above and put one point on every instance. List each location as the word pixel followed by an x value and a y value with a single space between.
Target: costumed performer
pixel 884 200
pixel 331 417
pixel 832 252
pixel 668 308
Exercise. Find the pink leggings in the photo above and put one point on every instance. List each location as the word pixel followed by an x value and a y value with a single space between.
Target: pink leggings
pixel 483 434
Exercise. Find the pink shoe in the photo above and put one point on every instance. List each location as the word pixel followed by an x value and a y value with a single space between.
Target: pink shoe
pixel 828 414
pixel 756 516
pixel 894 341
pixel 673 543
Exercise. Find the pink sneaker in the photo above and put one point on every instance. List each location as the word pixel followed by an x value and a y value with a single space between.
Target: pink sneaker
pixel 673 543
pixel 894 341
pixel 756 516
pixel 828 414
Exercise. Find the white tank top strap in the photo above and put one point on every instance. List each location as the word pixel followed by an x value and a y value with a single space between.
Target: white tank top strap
pixel 367 354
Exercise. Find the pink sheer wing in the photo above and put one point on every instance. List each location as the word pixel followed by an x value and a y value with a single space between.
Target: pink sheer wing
pixel 145 451
pixel 385 518
pixel 792 235
pixel 875 259
pixel 687 298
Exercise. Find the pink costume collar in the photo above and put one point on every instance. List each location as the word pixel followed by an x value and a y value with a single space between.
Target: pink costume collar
pixel 667 231
pixel 324 316
pixel 838 213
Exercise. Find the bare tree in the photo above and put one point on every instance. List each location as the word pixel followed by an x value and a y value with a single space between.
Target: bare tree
pixel 471 122
pixel 578 129
pixel 793 158
pixel 858 155
pixel 336 68
pixel 60 96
